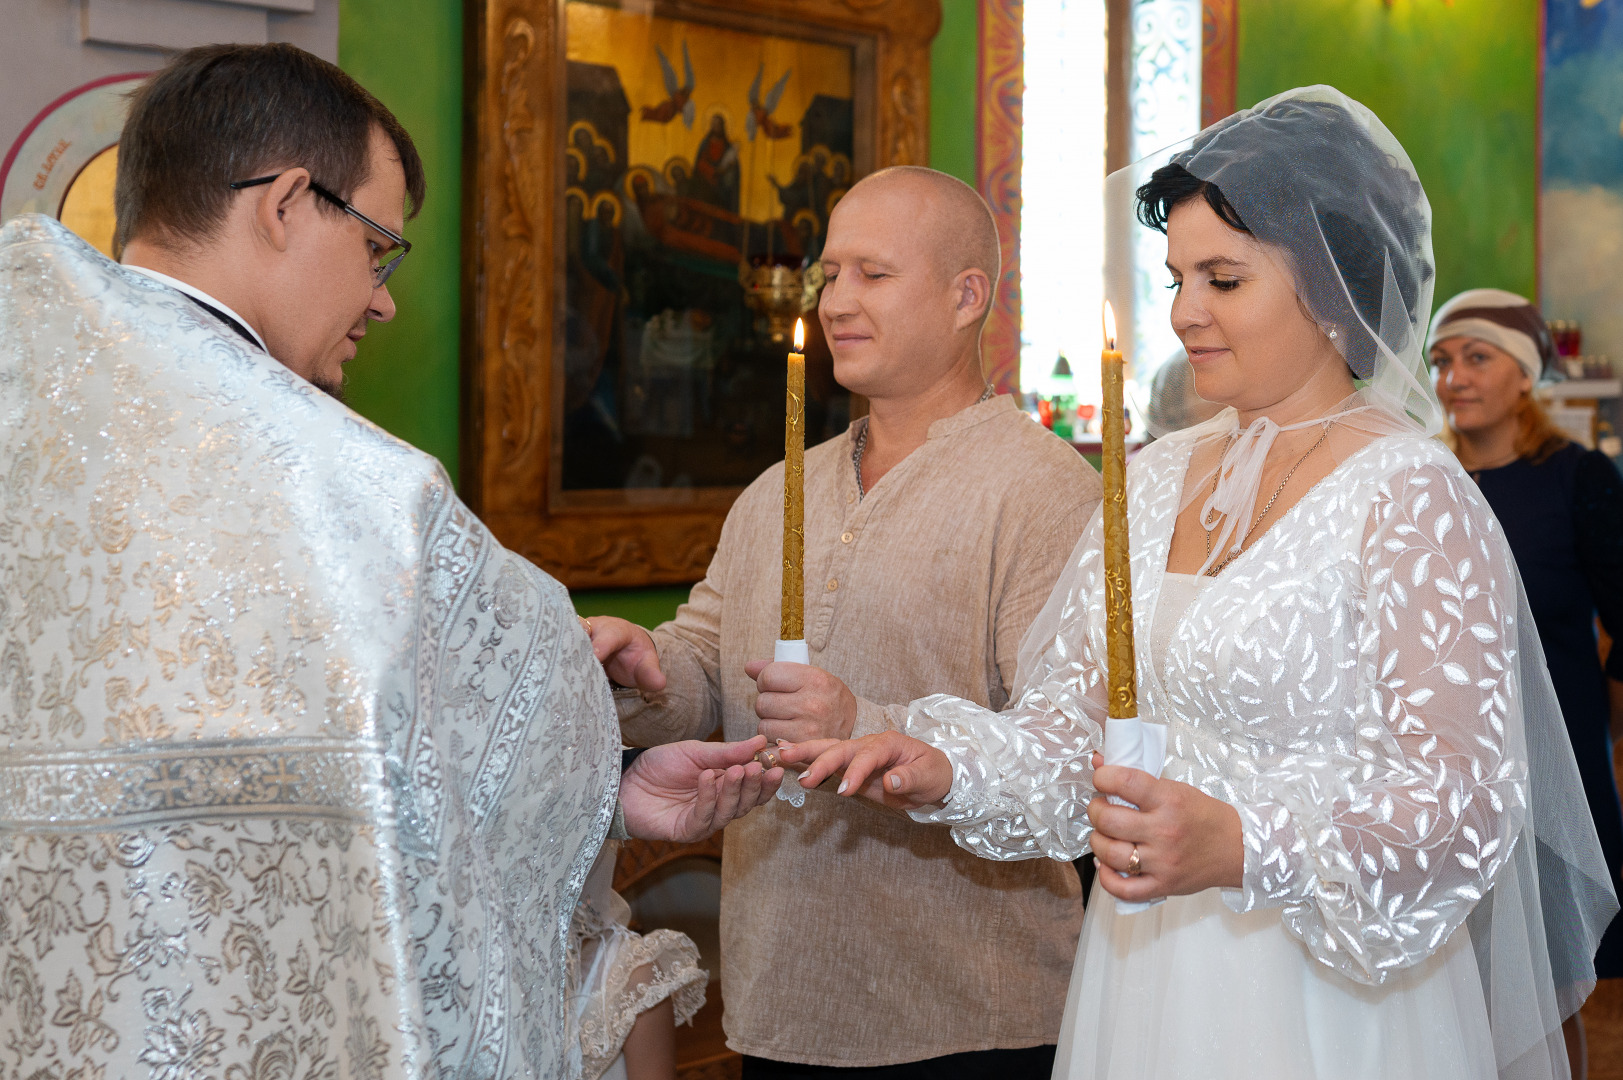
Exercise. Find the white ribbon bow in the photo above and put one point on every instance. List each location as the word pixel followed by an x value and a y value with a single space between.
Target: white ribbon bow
pixel 1239 482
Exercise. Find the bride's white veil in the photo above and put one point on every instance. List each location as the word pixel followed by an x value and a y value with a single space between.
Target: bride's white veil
pixel 1321 184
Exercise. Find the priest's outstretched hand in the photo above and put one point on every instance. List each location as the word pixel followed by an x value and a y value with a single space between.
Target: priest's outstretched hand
pixel 890 768
pixel 798 702
pixel 684 791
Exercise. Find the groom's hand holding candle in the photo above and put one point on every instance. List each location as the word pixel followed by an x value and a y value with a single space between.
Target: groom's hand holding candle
pixel 797 702
pixel 1186 841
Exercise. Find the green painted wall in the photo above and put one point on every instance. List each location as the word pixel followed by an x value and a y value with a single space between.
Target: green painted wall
pixel 953 69
pixel 406 375
pixel 1458 86
pixel 645 607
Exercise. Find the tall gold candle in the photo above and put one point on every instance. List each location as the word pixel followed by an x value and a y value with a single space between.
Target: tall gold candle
pixel 1123 684
pixel 794 494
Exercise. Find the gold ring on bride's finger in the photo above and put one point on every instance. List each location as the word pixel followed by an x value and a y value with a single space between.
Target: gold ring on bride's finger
pixel 586 625
pixel 1134 868
pixel 769 760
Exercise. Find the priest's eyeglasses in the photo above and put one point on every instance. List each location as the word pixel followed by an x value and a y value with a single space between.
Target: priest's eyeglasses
pixel 381 272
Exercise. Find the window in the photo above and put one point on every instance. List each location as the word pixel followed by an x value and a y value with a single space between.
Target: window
pixel 1062 176
pixel 1164 93
pixel 1068 112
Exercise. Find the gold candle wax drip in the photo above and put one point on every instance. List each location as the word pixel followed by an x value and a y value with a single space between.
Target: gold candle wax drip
pixel 794 493
pixel 1123 685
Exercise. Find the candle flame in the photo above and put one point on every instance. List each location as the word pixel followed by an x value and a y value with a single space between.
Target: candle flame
pixel 1110 327
pixel 800 335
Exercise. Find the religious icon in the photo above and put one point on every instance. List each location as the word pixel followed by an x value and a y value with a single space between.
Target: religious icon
pixel 1580 208
pixel 65 161
pixel 681 238
pixel 680 101
pixel 655 209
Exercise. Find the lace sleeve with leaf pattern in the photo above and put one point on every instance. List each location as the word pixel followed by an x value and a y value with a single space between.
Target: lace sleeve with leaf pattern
pixel 1023 777
pixel 1378 849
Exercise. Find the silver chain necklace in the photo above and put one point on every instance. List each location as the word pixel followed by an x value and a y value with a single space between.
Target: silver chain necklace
pixel 861 444
pixel 1220 567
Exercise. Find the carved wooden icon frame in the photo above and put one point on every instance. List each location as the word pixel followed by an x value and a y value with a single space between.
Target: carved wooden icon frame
pixel 513 204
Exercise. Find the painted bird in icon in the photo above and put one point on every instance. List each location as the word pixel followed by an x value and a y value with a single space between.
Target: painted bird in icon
pixel 681 97
pixel 760 115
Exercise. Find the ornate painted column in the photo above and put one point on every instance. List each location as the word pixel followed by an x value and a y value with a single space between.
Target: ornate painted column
pixel 1000 85
pixel 1219 60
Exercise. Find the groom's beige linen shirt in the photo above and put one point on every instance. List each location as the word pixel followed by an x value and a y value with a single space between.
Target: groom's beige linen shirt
pixel 851 936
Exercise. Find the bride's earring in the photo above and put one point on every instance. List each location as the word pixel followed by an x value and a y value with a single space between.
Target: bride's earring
pixel 1331 333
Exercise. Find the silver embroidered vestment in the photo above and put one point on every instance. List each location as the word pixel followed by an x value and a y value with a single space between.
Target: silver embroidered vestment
pixel 303 770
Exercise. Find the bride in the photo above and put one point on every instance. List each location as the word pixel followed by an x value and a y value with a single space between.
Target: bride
pixel 1369 833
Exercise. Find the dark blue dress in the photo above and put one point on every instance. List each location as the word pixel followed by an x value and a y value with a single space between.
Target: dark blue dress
pixel 1563 519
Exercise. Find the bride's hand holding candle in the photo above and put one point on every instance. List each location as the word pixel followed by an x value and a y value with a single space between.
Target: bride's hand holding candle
pixel 890 768
pixel 1186 841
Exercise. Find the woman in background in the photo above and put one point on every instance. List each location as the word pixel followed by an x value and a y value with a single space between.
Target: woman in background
pixel 1562 511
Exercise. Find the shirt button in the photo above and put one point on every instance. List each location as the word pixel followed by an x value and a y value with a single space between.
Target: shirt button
pixel 833 583
pixel 850 497
pixel 845 538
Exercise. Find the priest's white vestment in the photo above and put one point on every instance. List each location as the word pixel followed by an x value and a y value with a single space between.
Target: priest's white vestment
pixel 303 771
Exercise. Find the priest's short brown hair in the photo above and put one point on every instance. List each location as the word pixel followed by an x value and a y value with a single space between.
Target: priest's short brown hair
pixel 223 113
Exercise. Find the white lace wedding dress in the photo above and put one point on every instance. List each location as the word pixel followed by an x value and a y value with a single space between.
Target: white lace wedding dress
pixel 1347 684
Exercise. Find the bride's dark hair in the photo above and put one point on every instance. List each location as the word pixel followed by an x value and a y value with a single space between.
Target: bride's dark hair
pixel 1305 176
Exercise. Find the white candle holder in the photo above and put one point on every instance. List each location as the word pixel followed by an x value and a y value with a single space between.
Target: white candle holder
pixel 1137 744
pixel 793 652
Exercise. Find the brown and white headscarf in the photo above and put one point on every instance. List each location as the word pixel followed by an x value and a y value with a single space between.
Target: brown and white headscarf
pixel 1502 319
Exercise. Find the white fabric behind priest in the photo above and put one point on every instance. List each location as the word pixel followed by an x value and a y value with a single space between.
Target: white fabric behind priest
pixel 304 771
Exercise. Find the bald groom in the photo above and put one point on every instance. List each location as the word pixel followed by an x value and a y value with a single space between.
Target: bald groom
pixel 935 528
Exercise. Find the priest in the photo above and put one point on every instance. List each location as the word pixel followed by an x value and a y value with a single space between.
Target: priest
pixel 303 770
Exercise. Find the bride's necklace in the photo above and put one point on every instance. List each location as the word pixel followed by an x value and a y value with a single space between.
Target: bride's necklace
pixel 1246 539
